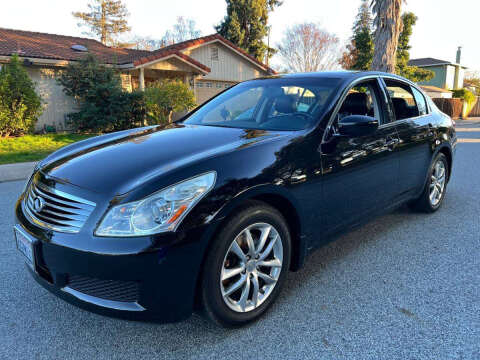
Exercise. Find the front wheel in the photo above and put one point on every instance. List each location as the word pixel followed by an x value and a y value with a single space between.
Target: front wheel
pixel 246 265
pixel 435 188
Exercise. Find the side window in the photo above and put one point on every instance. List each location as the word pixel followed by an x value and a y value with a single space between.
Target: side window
pixel 361 100
pixel 421 103
pixel 403 101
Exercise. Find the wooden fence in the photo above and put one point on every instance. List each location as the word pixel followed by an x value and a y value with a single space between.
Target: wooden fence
pixel 476 109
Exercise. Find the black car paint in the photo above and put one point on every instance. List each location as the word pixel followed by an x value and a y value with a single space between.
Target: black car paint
pixel 297 171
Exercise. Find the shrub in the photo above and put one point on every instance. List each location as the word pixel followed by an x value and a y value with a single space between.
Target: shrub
pixel 464 94
pixel 104 105
pixel 165 97
pixel 20 105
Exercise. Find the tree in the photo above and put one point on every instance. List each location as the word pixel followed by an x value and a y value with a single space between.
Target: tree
pixel 106 19
pixel 307 47
pixel 165 97
pixel 359 52
pixel 413 73
pixel 104 106
pixel 246 25
pixel 184 29
pixel 20 105
pixel 388 26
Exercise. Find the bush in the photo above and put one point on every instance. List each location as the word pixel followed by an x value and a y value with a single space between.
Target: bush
pixel 104 105
pixel 165 97
pixel 20 105
pixel 464 94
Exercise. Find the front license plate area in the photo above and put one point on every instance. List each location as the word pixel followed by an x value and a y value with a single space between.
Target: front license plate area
pixel 25 244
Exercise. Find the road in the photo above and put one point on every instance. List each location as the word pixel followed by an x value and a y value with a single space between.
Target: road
pixel 404 286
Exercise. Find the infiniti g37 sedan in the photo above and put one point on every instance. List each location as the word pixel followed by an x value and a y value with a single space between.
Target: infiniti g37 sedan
pixel 211 212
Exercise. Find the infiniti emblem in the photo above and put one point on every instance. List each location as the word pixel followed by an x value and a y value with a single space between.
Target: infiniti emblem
pixel 38 204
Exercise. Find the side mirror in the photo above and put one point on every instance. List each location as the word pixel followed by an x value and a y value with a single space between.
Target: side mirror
pixel 357 125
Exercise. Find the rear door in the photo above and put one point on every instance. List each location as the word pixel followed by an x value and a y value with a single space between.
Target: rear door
pixel 415 130
pixel 360 174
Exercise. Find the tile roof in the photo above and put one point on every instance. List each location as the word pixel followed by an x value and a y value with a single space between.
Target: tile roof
pixel 214 37
pixel 58 47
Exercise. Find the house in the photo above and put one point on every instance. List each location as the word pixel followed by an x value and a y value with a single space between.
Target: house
pixel 436 92
pixel 448 75
pixel 208 64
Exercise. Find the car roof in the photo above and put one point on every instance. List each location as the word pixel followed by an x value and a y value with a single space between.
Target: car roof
pixel 344 74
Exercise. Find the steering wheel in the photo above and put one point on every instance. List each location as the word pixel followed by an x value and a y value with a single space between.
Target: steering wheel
pixel 304 114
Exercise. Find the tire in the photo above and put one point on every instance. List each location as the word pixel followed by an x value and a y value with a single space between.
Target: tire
pixel 223 259
pixel 425 203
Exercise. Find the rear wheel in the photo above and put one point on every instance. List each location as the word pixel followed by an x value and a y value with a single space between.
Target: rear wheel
pixel 246 266
pixel 435 188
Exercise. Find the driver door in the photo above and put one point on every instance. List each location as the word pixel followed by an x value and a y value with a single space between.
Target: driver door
pixel 360 174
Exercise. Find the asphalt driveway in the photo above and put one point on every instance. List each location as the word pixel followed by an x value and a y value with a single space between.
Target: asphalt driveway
pixel 405 286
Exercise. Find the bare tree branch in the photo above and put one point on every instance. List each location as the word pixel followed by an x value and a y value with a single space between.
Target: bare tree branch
pixel 307 47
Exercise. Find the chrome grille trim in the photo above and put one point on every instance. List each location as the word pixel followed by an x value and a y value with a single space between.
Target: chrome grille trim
pixel 62 212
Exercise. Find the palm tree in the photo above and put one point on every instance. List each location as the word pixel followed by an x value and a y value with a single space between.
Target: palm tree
pixel 388 26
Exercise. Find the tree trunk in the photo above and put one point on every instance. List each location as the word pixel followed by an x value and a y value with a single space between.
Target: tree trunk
pixel 388 24
pixel 103 37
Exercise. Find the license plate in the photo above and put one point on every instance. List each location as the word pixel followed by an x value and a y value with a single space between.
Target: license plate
pixel 25 244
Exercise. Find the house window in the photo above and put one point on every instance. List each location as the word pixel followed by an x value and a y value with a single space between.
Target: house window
pixel 227 86
pixel 208 85
pixel 199 84
pixel 219 85
pixel 214 53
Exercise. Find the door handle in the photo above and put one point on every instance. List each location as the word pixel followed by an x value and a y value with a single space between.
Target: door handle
pixel 392 143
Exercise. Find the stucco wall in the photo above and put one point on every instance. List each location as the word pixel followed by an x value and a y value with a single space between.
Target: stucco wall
pixel 56 103
pixel 439 79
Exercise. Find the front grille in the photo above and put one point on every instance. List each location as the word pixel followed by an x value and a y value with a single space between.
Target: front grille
pixel 56 210
pixel 125 291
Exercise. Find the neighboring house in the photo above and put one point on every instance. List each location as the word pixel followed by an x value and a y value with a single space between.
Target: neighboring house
pixel 436 92
pixel 208 64
pixel 448 75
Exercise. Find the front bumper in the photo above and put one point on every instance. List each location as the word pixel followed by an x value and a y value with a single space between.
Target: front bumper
pixel 155 282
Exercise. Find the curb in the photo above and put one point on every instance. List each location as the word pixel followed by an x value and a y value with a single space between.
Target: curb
pixel 16 172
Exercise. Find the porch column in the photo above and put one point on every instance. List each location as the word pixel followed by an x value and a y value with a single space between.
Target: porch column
pixel 141 79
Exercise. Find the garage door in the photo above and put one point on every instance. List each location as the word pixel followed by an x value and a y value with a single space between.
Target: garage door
pixel 205 90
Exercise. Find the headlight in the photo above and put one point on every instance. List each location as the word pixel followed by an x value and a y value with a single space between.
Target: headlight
pixel 159 212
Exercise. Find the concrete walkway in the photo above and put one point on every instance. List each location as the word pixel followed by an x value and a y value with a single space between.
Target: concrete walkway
pixel 19 171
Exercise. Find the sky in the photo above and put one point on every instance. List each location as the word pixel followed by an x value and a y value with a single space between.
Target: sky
pixel 442 25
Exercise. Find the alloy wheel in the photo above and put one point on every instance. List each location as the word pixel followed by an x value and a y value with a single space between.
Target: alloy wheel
pixel 251 267
pixel 437 183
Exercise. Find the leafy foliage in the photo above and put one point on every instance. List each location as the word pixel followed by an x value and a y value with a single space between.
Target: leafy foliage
pixel 106 19
pixel 359 52
pixel 104 106
pixel 20 105
pixel 413 73
pixel 165 97
pixel 464 94
pixel 246 25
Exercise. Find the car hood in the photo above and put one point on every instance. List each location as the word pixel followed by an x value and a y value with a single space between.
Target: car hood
pixel 121 161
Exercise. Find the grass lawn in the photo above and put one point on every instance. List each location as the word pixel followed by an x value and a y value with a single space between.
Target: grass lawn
pixel 34 147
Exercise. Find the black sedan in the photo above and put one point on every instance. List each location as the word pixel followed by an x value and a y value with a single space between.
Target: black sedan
pixel 211 212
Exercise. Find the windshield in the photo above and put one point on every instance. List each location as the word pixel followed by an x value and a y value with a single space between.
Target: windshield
pixel 269 104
